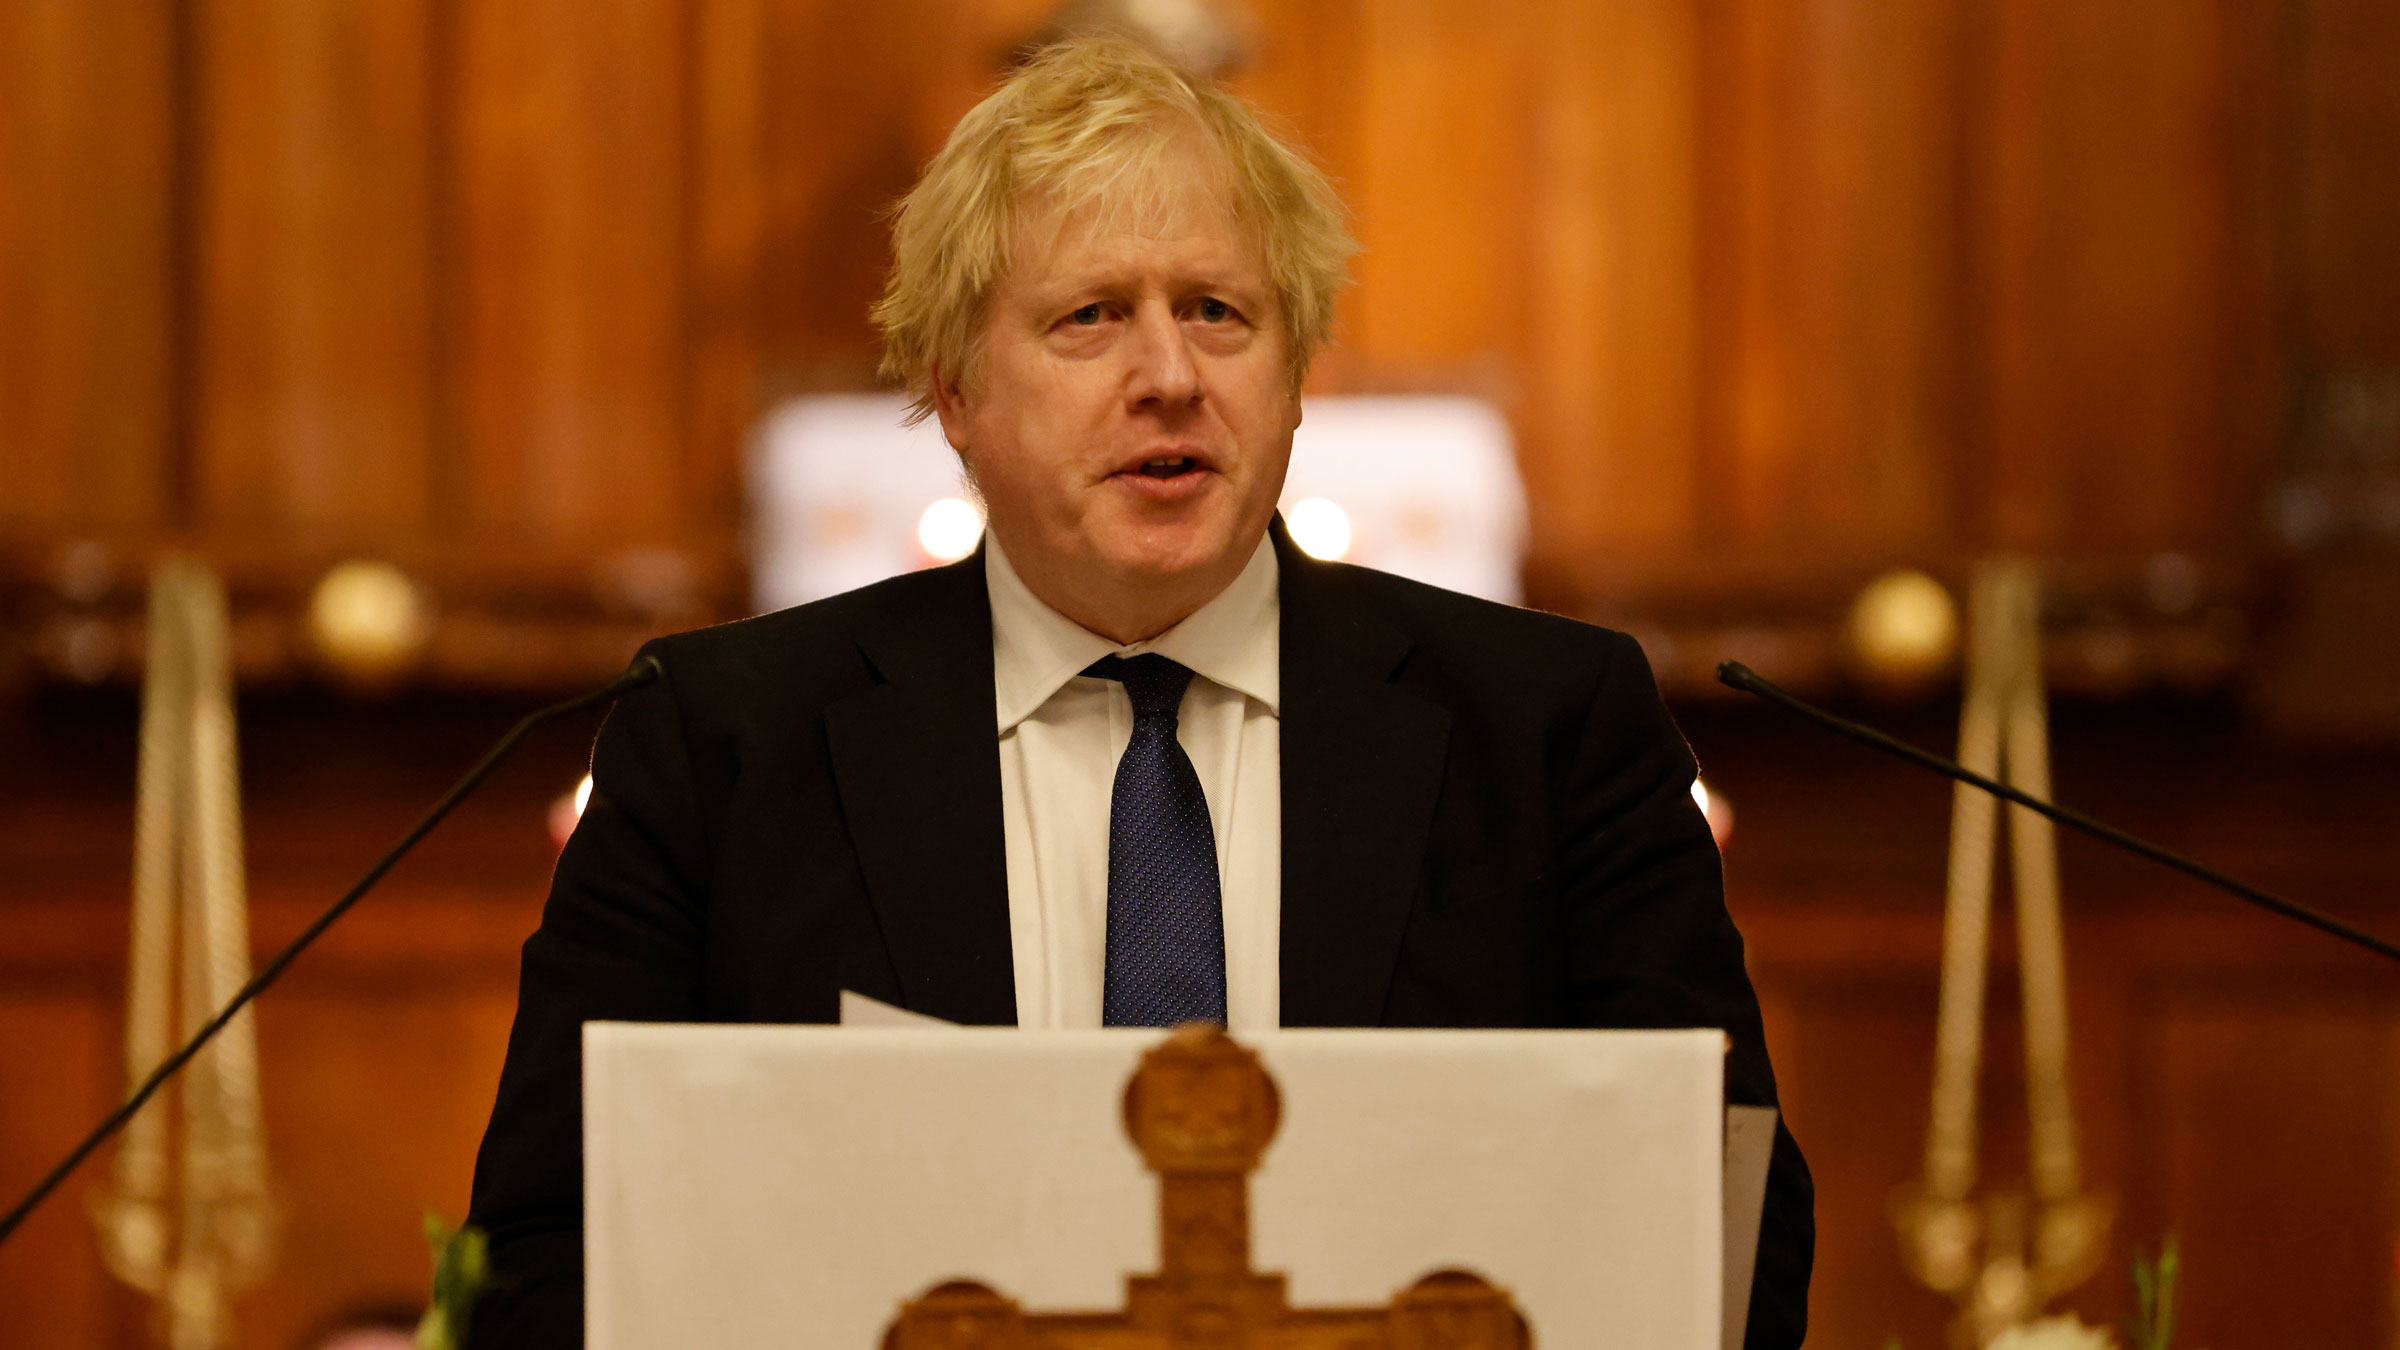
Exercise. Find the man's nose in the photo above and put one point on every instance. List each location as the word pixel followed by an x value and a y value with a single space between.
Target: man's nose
pixel 1163 369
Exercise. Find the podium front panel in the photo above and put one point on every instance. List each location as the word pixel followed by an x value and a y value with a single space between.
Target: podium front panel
pixel 790 1186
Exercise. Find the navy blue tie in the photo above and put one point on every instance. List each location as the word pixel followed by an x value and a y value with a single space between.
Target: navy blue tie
pixel 1166 921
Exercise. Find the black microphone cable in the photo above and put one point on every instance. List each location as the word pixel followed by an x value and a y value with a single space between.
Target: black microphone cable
pixel 1741 677
pixel 644 670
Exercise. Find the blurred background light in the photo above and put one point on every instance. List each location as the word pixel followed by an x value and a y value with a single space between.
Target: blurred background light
pixel 368 620
pixel 1320 527
pixel 1903 630
pixel 949 529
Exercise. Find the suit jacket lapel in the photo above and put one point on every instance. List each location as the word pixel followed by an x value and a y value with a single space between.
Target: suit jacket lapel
pixel 1362 767
pixel 917 762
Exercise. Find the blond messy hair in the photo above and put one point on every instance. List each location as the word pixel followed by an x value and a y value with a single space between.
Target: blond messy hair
pixel 1085 123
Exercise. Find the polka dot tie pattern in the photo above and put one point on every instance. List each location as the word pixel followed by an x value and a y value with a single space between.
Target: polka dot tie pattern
pixel 1166 918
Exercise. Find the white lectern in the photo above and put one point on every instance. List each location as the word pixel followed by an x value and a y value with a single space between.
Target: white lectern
pixel 795 1186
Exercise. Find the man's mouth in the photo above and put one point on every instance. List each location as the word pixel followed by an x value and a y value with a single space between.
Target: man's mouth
pixel 1165 477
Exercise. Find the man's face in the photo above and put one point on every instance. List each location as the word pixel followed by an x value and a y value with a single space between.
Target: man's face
pixel 1134 412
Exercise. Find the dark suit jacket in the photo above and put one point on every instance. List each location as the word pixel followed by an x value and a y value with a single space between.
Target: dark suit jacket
pixel 1487 822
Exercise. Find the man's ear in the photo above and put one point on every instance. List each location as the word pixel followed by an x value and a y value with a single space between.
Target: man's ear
pixel 950 405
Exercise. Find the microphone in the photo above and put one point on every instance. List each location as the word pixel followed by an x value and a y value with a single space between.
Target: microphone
pixel 643 670
pixel 1741 677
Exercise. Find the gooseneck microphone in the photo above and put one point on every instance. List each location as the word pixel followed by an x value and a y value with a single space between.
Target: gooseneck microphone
pixel 1741 677
pixel 643 670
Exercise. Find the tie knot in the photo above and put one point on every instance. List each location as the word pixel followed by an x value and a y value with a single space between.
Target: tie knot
pixel 1154 683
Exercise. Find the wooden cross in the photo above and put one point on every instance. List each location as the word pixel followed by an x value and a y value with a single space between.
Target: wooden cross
pixel 1201 1109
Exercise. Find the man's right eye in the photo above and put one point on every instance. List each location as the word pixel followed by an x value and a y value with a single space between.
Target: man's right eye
pixel 1089 314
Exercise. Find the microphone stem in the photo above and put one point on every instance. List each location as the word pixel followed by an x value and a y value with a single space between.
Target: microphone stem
pixel 1742 677
pixel 642 672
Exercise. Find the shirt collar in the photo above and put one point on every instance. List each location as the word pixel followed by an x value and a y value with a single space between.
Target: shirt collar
pixel 1235 639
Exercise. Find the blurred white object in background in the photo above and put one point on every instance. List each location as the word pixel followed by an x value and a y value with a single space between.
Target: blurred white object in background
pixel 950 529
pixel 838 492
pixel 1427 482
pixel 841 494
pixel 1320 527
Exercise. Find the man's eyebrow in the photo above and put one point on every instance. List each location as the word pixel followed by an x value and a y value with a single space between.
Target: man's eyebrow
pixel 1180 282
pixel 1118 279
pixel 1083 283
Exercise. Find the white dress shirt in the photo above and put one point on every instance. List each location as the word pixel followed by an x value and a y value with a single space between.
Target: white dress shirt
pixel 1061 734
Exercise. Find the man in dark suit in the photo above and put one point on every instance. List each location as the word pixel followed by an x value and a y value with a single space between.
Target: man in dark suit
pixel 1224 781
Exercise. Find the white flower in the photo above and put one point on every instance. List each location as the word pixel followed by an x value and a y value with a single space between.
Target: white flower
pixel 2054 1333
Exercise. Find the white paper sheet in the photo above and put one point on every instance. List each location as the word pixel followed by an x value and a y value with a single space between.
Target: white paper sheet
pixel 874 1014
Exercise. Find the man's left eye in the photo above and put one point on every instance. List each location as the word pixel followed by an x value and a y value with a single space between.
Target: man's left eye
pixel 1089 314
pixel 1213 310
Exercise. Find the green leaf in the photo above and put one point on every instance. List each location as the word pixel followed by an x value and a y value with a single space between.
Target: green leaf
pixel 2152 1326
pixel 461 1272
pixel 2169 1270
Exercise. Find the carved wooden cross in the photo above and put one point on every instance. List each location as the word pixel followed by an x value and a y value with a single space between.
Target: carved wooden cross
pixel 1201 1110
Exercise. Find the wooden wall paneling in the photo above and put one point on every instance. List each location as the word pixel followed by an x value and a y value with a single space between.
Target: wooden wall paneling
pixel 378 1058
pixel 51 1280
pixel 2233 1081
pixel 727 89
pixel 380 1051
pixel 856 100
pixel 839 146
pixel 87 244
pixel 2263 1145
pixel 2387 1209
pixel 571 157
pixel 2106 955
pixel 1300 64
pixel 1831 384
pixel 2134 400
pixel 1302 67
pixel 378 1085
pixel 1853 1055
pixel 2346 178
pixel 1612 323
pixel 1835 874
pixel 1440 186
pixel 960 50
pixel 314 340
